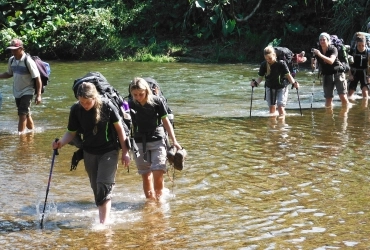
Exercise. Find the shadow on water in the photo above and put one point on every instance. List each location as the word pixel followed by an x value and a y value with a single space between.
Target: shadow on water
pixel 256 182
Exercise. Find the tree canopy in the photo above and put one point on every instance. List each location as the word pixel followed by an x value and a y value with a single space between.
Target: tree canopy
pixel 216 30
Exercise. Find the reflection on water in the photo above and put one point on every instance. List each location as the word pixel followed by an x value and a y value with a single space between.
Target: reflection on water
pixel 257 182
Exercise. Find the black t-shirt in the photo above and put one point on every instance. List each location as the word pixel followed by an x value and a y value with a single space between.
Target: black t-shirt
pixel 328 69
pixel 97 138
pixel 275 79
pixel 147 119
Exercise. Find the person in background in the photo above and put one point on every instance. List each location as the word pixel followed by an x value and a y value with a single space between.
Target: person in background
pixel 27 82
pixel 331 70
pixel 277 79
pixel 94 117
pixel 150 123
pixel 360 71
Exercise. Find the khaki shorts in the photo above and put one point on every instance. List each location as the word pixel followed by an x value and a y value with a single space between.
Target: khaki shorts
pixel 156 157
pixel 337 80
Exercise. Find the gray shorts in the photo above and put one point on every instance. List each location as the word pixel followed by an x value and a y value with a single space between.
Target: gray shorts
pixel 24 104
pixel 337 80
pixel 277 96
pixel 156 157
pixel 101 170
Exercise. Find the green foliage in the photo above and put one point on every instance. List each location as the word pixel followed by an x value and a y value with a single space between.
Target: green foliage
pixel 6 35
pixel 147 30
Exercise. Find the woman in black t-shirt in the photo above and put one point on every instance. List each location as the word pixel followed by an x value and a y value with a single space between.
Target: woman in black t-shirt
pixel 93 117
pixel 277 78
pixel 333 75
pixel 150 121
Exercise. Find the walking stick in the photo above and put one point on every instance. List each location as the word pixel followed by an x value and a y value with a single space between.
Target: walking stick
pixel 313 89
pixel 48 187
pixel 299 102
pixel 250 109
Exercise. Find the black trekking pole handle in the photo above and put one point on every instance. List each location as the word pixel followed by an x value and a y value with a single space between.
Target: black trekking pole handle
pixel 55 152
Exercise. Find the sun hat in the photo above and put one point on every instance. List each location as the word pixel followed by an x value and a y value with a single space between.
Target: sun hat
pixel 300 58
pixel 15 44
pixel 326 35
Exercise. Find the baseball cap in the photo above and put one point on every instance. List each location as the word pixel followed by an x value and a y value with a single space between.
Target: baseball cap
pixel 15 44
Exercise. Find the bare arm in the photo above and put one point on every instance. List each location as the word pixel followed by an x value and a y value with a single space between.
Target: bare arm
pixel 38 90
pixel 292 80
pixel 122 138
pixel 167 125
pixel 67 137
pixel 259 80
pixel 5 75
pixel 329 60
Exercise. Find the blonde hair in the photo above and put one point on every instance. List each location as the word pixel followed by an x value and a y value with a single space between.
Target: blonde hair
pixel 269 50
pixel 140 83
pixel 88 90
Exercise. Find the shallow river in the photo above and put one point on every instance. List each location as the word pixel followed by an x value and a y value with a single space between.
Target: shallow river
pixel 250 181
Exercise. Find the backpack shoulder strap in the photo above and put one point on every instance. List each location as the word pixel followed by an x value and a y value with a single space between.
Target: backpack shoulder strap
pixel 26 62
pixel 368 61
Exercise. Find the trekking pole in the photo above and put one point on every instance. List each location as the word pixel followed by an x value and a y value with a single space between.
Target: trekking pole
pixel 313 89
pixel 48 187
pixel 299 102
pixel 250 109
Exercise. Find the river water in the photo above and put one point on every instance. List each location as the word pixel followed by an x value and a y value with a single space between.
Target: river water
pixel 250 181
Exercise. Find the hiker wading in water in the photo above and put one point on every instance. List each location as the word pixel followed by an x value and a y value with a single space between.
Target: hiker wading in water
pixel 360 71
pixel 331 70
pixel 94 117
pixel 150 122
pixel 277 79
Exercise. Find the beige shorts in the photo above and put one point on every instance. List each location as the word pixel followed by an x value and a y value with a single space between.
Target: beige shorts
pixel 156 157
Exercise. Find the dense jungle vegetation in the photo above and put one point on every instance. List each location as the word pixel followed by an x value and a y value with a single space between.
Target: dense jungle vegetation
pixel 174 30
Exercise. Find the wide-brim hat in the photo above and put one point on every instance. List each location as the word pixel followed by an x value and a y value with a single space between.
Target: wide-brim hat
pixel 15 44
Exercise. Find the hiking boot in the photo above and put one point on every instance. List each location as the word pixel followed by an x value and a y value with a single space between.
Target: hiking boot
pixel 171 154
pixel 179 159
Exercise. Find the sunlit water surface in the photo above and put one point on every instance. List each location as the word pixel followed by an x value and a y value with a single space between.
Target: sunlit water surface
pixel 251 181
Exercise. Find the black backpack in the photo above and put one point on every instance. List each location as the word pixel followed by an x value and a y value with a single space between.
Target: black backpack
pixel 286 55
pixel 156 90
pixel 106 91
pixel 42 66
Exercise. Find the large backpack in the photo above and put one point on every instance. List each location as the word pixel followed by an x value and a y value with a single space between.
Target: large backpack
pixel 156 90
pixel 342 51
pixel 109 92
pixel 42 66
pixel 285 54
